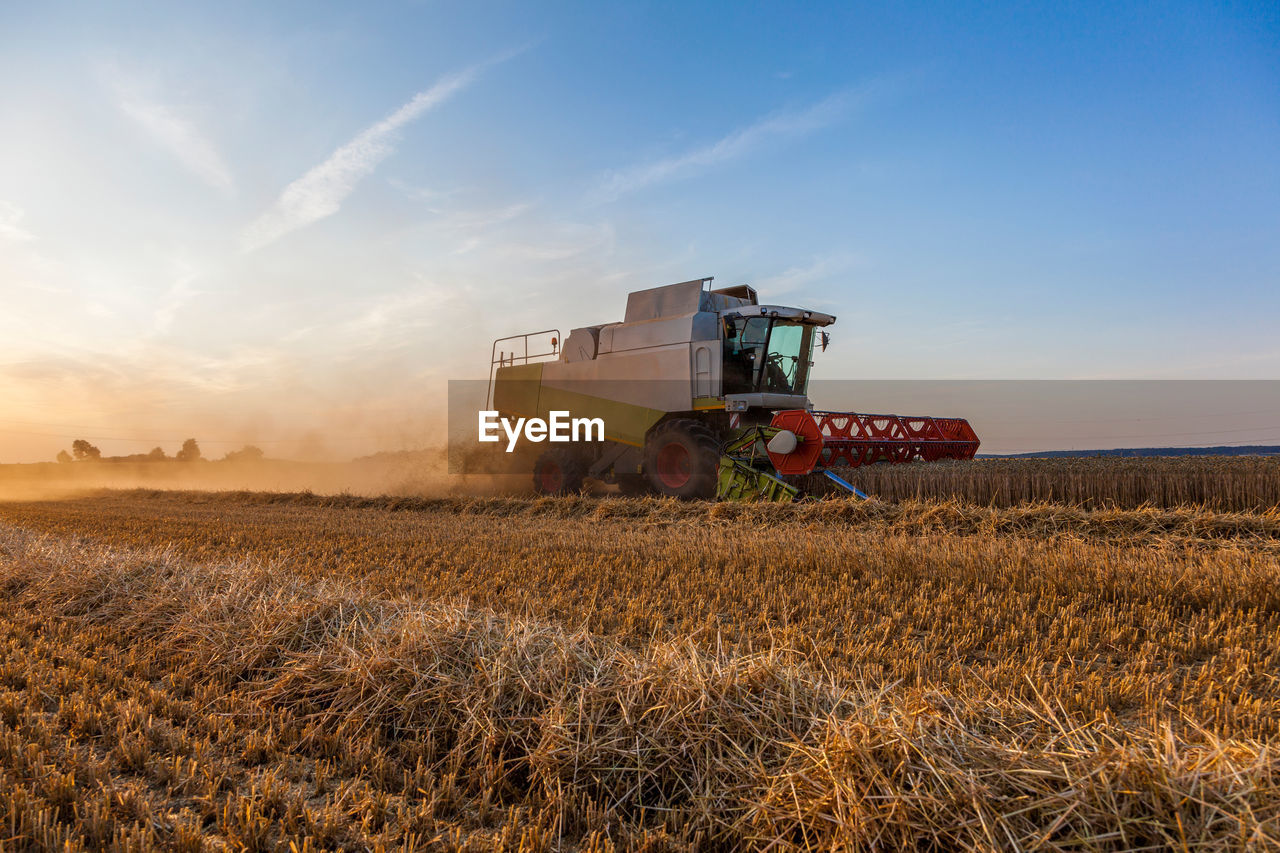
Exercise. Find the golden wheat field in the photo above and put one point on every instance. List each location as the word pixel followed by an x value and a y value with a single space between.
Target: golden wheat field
pixel 1218 482
pixel 268 671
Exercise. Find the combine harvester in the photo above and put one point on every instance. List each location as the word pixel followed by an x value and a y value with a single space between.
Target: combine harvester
pixel 703 394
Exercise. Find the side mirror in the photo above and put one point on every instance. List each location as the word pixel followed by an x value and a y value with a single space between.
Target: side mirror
pixel 824 339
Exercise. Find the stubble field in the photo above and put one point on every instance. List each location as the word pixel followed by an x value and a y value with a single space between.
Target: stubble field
pixel 289 671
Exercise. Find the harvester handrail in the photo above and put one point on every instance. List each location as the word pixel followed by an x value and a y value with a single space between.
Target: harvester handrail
pixel 507 359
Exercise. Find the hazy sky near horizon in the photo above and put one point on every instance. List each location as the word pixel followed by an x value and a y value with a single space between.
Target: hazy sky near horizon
pixel 290 223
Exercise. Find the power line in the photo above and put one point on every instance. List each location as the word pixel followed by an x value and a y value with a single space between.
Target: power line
pixel 1177 417
pixel 1261 442
pixel 1145 435
pixel 75 435
pixel 80 434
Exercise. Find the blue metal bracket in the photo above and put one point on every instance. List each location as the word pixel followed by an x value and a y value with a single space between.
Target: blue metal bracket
pixel 847 485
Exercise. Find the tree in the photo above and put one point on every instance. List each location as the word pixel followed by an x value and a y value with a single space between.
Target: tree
pixel 64 456
pixel 157 454
pixel 190 451
pixel 84 450
pixel 248 453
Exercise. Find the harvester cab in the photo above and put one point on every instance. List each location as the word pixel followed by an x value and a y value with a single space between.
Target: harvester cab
pixel 702 393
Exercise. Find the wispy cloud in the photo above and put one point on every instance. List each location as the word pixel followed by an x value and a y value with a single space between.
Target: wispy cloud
pixel 177 296
pixel 476 220
pixel 783 125
pixel 799 278
pixel 321 191
pixel 175 133
pixel 11 223
pixel 557 242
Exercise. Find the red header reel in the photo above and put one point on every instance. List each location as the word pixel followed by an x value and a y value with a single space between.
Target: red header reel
pixel 847 439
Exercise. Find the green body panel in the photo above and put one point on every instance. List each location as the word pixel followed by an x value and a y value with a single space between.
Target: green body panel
pixel 520 391
pixel 738 481
pixel 515 389
pixel 623 422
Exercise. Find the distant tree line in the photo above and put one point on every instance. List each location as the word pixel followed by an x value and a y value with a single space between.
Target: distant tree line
pixel 83 451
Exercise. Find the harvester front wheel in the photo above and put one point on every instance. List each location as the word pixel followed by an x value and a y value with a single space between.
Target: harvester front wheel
pixel 559 472
pixel 681 458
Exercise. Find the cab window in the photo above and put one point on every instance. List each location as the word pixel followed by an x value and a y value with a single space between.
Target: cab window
pixel 761 354
pixel 786 365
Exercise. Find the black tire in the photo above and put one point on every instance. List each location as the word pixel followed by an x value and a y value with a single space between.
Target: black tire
pixel 681 459
pixel 559 471
pixel 634 485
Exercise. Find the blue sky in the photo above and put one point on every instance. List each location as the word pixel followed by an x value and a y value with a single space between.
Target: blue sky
pixel 259 221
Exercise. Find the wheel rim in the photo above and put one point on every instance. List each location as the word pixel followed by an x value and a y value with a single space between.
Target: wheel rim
pixel 674 465
pixel 550 478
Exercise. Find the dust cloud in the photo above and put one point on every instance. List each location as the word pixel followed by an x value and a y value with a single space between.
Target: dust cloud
pixel 421 473
pixel 362 432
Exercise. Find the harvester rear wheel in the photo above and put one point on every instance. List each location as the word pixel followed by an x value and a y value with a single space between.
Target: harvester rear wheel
pixel 559 471
pixel 681 459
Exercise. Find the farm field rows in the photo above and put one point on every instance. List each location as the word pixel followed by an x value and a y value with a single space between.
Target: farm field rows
pixel 246 670
pixel 1226 484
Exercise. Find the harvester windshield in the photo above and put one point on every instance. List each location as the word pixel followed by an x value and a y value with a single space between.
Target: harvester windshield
pixel 766 354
